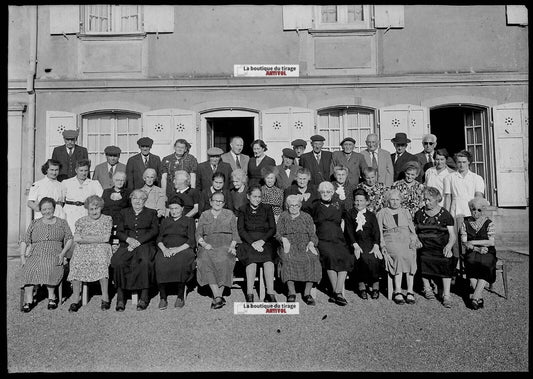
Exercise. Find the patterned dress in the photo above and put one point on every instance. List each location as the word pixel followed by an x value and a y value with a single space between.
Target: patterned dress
pixel 413 195
pixel 298 264
pixel 477 265
pixel 375 195
pixel 90 261
pixel 171 163
pixel 46 241
pixel 272 196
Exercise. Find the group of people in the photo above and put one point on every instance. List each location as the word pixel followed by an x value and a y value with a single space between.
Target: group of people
pixel 165 221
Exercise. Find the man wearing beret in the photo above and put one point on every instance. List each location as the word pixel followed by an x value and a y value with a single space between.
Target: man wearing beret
pixel 136 165
pixel 235 157
pixel 287 170
pixel 350 159
pixel 401 157
pixel 104 171
pixel 68 154
pixel 298 145
pixel 318 162
pixel 205 171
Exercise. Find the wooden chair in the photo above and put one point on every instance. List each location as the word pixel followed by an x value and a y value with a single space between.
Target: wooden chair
pixel 501 267
pixel 259 278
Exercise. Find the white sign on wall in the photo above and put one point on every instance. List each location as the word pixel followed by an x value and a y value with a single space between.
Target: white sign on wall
pixel 271 70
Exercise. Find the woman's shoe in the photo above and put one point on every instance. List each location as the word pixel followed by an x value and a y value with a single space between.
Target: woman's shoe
pixel 249 297
pixel 340 300
pixel 291 299
pixel 74 307
pixel 52 303
pixel 270 298
pixel 362 294
pixel 428 294
pixel 374 294
pixel 480 303
pixel 120 307
pixel 217 303
pixel 105 305
pixel 163 304
pixel 474 304
pixel 142 305
pixel 410 298
pixel 447 301
pixel 308 299
pixel 397 297
pixel 26 307
pixel 180 303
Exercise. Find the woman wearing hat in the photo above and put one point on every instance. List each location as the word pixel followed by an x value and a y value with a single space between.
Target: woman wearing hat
pixel 259 160
pixel 411 190
pixel 401 157
pixel 434 176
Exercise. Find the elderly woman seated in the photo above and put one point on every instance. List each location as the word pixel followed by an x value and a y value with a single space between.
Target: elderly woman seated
pixel 299 256
pixel 373 188
pixel 156 196
pixel 133 262
pixel 435 228
pixel 307 191
pixel 92 252
pixel 343 188
pixel 477 236
pixel 190 196
pixel 218 180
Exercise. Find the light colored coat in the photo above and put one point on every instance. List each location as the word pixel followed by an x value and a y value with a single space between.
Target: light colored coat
pixel 385 166
pixel 228 158
pixel 101 173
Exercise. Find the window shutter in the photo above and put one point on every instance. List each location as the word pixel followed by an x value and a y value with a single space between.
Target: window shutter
pixel 64 19
pixel 56 123
pixel 403 118
pixel 159 18
pixel 297 17
pixel 389 16
pixel 511 141
pixel 282 125
pixel 516 14
pixel 165 126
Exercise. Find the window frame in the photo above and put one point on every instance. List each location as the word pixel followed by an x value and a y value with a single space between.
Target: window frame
pixel 115 17
pixel 342 23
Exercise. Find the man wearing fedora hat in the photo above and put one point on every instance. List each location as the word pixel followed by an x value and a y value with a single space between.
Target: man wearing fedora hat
pixel 287 170
pixel 104 171
pixel 68 154
pixel 317 161
pixel 298 145
pixel 205 171
pixel 401 157
pixel 348 158
pixel 137 163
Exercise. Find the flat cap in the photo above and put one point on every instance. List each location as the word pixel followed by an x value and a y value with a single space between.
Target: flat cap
pixel 145 141
pixel 299 142
pixel 112 150
pixel 289 153
pixel 214 151
pixel 348 139
pixel 69 134
pixel 317 137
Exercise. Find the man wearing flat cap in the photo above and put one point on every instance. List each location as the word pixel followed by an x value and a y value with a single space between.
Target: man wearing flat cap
pixel 353 161
pixel 401 157
pixel 205 171
pixel 104 171
pixel 137 164
pixel 318 162
pixel 287 170
pixel 68 154
pixel 298 145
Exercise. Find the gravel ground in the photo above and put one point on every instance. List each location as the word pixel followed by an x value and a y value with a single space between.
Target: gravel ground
pixel 369 336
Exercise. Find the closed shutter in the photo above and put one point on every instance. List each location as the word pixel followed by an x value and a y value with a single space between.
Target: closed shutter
pixel 389 16
pixel 158 18
pixel 516 14
pixel 297 17
pixel 511 145
pixel 165 126
pixel 56 123
pixel 282 125
pixel 64 19
pixel 403 118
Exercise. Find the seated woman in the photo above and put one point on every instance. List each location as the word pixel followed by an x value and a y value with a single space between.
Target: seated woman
pixel 257 227
pixel 477 236
pixel 307 191
pixel 373 188
pixel 115 199
pixel 189 195
pixel 362 230
pixel 239 190
pixel 270 193
pixel 217 185
pixel 343 188
pixel 92 252
pixel 217 236
pixel 435 228
pixel 174 260
pixel 398 244
pixel 334 254
pixel 299 255
pixel 42 253
pixel 410 189
pixel 133 262
pixel 156 196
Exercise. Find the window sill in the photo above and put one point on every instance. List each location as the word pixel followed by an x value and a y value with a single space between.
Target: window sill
pixel 112 36
pixel 326 32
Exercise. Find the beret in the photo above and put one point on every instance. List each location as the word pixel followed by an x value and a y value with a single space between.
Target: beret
pixel 145 141
pixel 348 139
pixel 214 151
pixel 112 150
pixel 317 137
pixel 299 142
pixel 289 153
pixel 69 134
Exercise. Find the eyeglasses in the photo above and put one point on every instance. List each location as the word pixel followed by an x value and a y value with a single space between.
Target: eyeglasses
pixel 429 143
pixel 474 209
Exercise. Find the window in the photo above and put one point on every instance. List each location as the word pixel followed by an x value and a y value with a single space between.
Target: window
pixel 335 17
pixel 337 124
pixel 111 19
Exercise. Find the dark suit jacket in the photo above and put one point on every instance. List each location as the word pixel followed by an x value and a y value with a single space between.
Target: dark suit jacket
pixel 102 175
pixel 306 205
pixel 355 165
pixel 398 165
pixel 282 180
pixel 68 164
pixel 243 158
pixel 204 175
pixel 135 169
pixel 319 173
pixel 422 158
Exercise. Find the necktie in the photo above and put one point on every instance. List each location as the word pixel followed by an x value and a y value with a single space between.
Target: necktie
pixel 237 161
pixel 317 158
pixel 374 162
pixel 111 172
pixel 430 159
pixel 70 152
pixel 214 168
pixel 145 161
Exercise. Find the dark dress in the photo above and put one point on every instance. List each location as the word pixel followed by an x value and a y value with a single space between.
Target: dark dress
pixel 113 207
pixel 334 253
pixel 306 205
pixel 254 171
pixel 180 266
pixel 256 224
pixel 433 233
pixel 205 203
pixel 190 197
pixel 367 267
pixel 238 199
pixel 480 266
pixel 134 270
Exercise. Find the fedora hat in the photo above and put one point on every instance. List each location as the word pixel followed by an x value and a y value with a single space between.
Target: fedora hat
pixel 400 138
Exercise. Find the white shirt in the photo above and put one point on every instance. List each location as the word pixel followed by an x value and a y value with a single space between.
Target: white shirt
pixel 47 187
pixel 462 190
pixel 74 191
pixel 435 179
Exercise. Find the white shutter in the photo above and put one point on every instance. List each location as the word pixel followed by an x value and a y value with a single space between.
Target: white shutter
pixel 64 19
pixel 516 14
pixel 511 123
pixel 407 118
pixel 56 123
pixel 158 18
pixel 165 126
pixel 389 16
pixel 297 17
pixel 282 125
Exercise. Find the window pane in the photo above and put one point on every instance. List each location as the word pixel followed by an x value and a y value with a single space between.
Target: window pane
pixel 477 118
pixel 355 13
pixel 479 154
pixel 469 136
pixel 468 119
pixel 478 137
pixel 471 150
pixel 329 13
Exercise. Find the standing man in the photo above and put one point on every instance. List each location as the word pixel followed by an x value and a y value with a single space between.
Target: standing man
pixel 179 160
pixel 427 156
pixel 298 145
pixel 355 162
pixel 204 175
pixel 380 159
pixel 234 157
pixel 401 157
pixel 105 170
pixel 318 162
pixel 136 165
pixel 68 154
pixel 287 170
